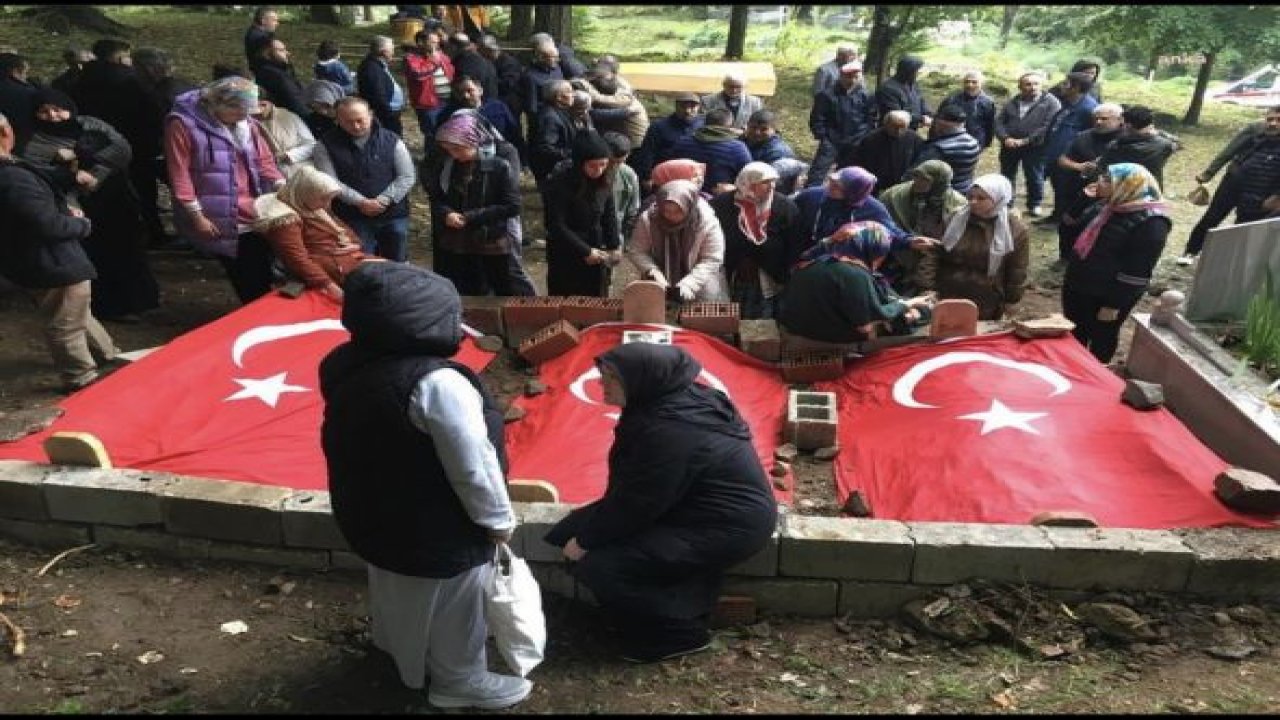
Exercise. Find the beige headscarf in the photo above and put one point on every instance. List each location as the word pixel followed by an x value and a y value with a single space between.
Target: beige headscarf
pixel 289 203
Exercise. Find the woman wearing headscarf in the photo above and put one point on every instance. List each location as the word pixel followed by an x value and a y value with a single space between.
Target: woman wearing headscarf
pixel 290 139
pixel 844 198
pixel 920 206
pixel 1111 262
pixel 759 226
pixel 686 500
pixel 474 195
pixel 582 225
pixel 322 97
pixel 90 161
pixel 679 244
pixel 678 169
pixel 315 246
pixel 837 295
pixel 983 254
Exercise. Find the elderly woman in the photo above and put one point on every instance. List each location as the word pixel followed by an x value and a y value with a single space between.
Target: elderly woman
pixel 846 197
pixel 290 139
pixel 315 246
pixel 686 500
pixel 836 294
pixel 90 161
pixel 322 97
pixel 679 244
pixel 920 206
pixel 983 254
pixel 759 226
pixel 1112 259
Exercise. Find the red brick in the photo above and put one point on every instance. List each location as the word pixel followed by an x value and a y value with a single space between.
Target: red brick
pixel 733 610
pixel 955 317
pixel 812 367
pixel 583 311
pixel 522 316
pixel 483 312
pixel 644 301
pixel 551 341
pixel 710 317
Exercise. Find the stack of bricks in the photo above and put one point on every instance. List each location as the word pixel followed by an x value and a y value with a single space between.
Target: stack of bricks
pixel 811 419
pixel 712 318
pixel 809 367
pixel 551 341
pixel 523 316
pixel 484 313
pixel 583 311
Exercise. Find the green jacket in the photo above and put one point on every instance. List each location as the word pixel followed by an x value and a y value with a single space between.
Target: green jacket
pixel 830 301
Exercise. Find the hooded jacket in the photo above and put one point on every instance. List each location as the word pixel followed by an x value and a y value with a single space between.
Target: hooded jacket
pixel 42 240
pixel 902 92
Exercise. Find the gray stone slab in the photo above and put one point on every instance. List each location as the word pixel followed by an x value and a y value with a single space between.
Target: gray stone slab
pixel 1234 561
pixel 224 510
pixel 954 552
pixel 153 541
pixel 45 534
pixel 269 555
pixel 535 520
pixel 782 596
pixel 866 600
pixel 307 521
pixel 106 497
pixel 21 495
pixel 1118 559
pixel 843 548
pixel 347 561
pixel 763 563
pixel 554 578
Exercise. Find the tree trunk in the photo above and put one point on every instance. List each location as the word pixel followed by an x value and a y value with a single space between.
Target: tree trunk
pixel 554 19
pixel 1153 61
pixel 879 42
pixel 326 14
pixel 735 47
pixel 804 14
pixel 521 24
pixel 1202 83
pixel 1006 24
pixel 368 12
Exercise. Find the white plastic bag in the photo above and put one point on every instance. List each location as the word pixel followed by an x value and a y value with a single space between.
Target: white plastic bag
pixel 513 611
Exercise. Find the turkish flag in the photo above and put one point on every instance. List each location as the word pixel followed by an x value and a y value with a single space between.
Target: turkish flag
pixel 996 429
pixel 238 398
pixel 565 435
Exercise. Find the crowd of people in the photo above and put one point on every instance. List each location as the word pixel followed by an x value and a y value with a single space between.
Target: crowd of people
pixel 286 180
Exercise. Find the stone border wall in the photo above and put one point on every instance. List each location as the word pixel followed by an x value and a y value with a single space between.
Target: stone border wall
pixel 813 566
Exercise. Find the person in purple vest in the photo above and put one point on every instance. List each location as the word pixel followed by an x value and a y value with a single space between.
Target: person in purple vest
pixel 219 162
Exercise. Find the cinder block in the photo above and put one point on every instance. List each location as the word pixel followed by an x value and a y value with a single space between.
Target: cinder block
pixel 536 519
pixel 853 549
pixel 307 521
pixel 954 552
pixel 529 313
pixel 583 311
pixel 1118 559
pixel 550 342
pixel 484 313
pixel 863 600
pixel 154 541
pixel 45 534
pixel 346 561
pixel 554 578
pixel 1233 561
pixel 806 598
pixel 21 494
pixel 810 367
pixel 760 339
pixel 224 510
pixel 268 555
pixel 106 497
pixel 712 318
pixel 644 301
pixel 812 420
pixel 763 563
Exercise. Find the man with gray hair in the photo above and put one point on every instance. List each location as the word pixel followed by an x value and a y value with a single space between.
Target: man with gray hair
pixel 379 87
pixel 886 152
pixel 570 66
pixel 1021 127
pixel 978 107
pixel 828 73
pixel 734 98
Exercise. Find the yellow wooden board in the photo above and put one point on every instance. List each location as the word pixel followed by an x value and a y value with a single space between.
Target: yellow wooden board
pixel 76 448
pixel 532 491
pixel 699 77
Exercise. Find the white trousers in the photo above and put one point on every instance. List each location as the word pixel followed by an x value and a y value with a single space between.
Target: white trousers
pixel 431 627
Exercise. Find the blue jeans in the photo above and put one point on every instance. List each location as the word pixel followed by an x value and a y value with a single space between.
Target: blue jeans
pixel 427 122
pixel 384 237
pixel 1032 160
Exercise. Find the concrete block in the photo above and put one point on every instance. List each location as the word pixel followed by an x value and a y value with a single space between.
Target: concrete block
pixel 1117 559
pixel 346 561
pixel 644 301
pixel 763 563
pixel 268 555
pixel 224 510
pixel 45 534
pixel 948 553
pixel 760 339
pixel 21 495
pixel 863 600
pixel 845 549
pixel 1247 491
pixel 153 541
pixel 812 420
pixel 484 313
pixel 810 367
pixel 1142 395
pixel 307 521
pixel 536 519
pixel 529 313
pixel 1233 561
pixel 17 424
pixel 583 311
pixel 554 578
pixel 106 497
pixel 1054 325
pixel 550 342
pixel 954 317
pixel 778 596
pixel 712 318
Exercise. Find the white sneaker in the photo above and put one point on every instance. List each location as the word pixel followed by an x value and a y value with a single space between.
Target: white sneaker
pixel 1186 261
pixel 494 692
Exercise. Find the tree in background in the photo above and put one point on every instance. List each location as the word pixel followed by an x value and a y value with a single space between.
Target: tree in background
pixel 736 45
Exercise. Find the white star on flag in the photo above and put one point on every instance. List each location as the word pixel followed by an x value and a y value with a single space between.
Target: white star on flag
pixel 268 390
pixel 1000 416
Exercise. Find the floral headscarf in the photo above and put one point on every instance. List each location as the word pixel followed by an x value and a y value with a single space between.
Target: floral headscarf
pixel 1001 192
pixel 679 169
pixel 868 242
pixel 461 130
pixel 1133 188
pixel 753 216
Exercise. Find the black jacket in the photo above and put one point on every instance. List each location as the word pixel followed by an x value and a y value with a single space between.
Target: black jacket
pixel 1119 266
pixel 112 93
pixel 782 237
pixel 886 157
pixel 487 201
pixel 282 86
pixel 473 65
pixel 376 86
pixel 902 92
pixel 551 140
pixel 41 246
pixel 18 103
pixel 981 115
pixel 842 117
pixel 1149 151
pixel 508 71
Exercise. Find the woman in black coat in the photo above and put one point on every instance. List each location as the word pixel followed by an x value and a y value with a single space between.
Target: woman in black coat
pixel 582 227
pixel 1111 261
pixel 760 228
pixel 687 499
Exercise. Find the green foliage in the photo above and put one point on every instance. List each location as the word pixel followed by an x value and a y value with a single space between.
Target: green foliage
pixel 1262 327
pixel 586 23
pixel 710 34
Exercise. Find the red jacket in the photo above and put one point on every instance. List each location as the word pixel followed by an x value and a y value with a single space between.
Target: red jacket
pixel 418 69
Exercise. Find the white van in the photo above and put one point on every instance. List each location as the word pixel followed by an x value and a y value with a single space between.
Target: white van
pixel 1259 89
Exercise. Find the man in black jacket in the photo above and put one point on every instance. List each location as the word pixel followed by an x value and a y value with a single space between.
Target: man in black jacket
pixel 265 22
pixel 978 107
pixel 466 61
pixel 17 96
pixel 902 92
pixel 886 152
pixel 1142 143
pixel 379 87
pixel 42 253
pixel 274 73
pixel 841 116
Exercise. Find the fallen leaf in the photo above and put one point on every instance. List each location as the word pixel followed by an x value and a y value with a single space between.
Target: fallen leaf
pixel 914 708
pixel 150 656
pixel 1004 700
pixel 299 638
pixel 66 602
pixel 188 670
pixel 235 627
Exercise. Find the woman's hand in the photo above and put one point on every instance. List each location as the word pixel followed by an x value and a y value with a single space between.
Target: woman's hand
pixel 595 257
pixel 687 291
pixel 656 276
pixel 333 291
pixel 455 221
pixel 204 227
pixel 1107 314
pixel 573 551
pixel 920 242
pixel 86 181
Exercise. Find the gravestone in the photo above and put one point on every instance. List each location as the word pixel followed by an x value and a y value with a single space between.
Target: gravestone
pixel 644 301
pixel 954 318
pixel 1232 269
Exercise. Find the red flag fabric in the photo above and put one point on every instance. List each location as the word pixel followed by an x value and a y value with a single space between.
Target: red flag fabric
pixel 565 435
pixel 238 398
pixel 996 429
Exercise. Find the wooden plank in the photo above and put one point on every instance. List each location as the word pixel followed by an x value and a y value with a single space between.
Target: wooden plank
pixel 699 77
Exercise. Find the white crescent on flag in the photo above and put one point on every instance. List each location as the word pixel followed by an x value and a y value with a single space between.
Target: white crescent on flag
pixel 905 387
pixel 249 339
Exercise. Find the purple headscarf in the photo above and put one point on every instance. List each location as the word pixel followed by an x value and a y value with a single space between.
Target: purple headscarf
pixel 461 129
pixel 857 184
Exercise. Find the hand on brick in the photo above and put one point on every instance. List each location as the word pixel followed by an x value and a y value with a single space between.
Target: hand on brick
pixel 657 276
pixel 455 220
pixel 687 293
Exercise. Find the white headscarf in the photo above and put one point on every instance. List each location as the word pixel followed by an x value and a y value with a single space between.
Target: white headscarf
pixel 753 216
pixel 1001 192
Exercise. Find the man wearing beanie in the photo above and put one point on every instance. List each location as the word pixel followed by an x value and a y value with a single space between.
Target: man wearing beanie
pixel 952 144
pixel 582 225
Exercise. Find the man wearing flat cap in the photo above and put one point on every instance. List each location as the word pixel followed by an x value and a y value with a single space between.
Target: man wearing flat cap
pixel 665 133
pixel 841 116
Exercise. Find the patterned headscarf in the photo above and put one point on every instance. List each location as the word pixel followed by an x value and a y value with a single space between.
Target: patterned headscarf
pixel 857 184
pixel 232 92
pixel 753 216
pixel 868 242
pixel 1001 192
pixel 678 169
pixel 461 130
pixel 1133 188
